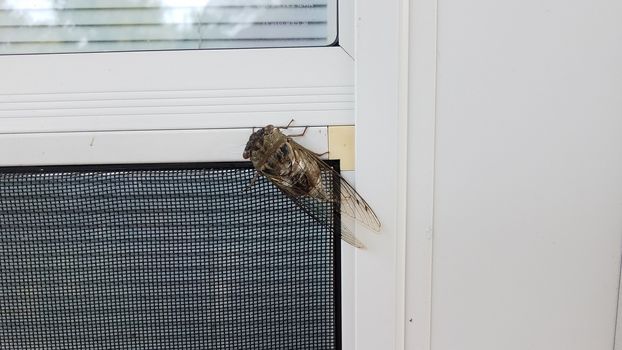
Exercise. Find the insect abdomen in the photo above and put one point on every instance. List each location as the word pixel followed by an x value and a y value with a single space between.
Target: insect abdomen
pixel 291 169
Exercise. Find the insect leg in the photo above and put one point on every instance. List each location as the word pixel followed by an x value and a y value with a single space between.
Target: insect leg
pixel 296 135
pixel 301 134
pixel 321 154
pixel 253 181
pixel 288 124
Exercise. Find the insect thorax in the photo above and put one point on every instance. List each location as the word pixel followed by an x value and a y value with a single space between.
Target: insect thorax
pixel 285 163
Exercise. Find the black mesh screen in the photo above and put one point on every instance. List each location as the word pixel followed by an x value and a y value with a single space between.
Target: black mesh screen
pixel 162 257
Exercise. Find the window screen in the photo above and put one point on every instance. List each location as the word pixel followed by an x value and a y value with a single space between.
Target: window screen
pixel 50 26
pixel 162 257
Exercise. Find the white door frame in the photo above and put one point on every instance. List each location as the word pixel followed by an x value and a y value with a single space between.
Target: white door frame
pixel 395 120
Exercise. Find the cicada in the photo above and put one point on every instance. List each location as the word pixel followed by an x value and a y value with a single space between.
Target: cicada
pixel 297 172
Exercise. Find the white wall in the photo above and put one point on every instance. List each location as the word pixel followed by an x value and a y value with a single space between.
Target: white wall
pixel 528 184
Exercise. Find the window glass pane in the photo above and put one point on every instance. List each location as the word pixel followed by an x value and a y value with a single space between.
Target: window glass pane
pixel 40 26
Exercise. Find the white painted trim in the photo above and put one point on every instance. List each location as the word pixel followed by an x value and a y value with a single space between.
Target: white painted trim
pixel 421 173
pixel 137 146
pixel 380 147
pixel 396 111
pixel 175 90
pixel 402 177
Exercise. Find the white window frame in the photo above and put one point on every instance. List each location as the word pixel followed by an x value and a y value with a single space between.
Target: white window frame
pixel 387 294
pixel 54 107
pixel 179 90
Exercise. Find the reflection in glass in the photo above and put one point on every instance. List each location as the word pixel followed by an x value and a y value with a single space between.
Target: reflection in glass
pixel 39 26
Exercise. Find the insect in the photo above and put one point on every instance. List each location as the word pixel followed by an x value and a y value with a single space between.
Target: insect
pixel 297 172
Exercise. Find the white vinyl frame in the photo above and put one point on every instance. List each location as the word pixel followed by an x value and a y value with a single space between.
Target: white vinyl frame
pixel 395 124
pixel 175 90
pixel 380 160
pixel 176 106
pixel 199 106
pixel 179 90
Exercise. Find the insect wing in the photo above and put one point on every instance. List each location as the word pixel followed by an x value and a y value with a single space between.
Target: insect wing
pixel 313 208
pixel 349 201
pixel 349 237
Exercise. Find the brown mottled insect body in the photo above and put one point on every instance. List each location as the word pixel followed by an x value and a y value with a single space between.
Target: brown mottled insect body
pixel 297 172
pixel 276 156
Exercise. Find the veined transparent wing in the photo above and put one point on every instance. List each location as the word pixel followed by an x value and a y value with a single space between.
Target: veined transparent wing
pixel 310 206
pixel 350 202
